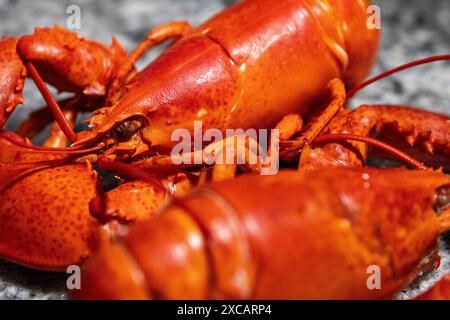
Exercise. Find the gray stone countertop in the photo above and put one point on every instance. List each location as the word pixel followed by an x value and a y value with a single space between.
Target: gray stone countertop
pixel 411 29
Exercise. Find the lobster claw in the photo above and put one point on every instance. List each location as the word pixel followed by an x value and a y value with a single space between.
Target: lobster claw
pixel 130 202
pixel 62 58
pixel 12 77
pixel 70 62
pixel 140 199
pixel 44 214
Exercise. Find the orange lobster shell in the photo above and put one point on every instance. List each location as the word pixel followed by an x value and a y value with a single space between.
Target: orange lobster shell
pixel 316 241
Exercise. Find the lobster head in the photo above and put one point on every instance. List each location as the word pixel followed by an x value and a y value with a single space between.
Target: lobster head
pixel 219 72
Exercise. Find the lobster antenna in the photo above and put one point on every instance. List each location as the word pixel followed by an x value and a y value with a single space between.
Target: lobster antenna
pixel 131 170
pixel 396 70
pixel 375 143
pixel 51 102
pixel 64 151
pixel 18 141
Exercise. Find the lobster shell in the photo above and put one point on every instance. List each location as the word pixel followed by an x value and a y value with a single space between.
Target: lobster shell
pixel 232 240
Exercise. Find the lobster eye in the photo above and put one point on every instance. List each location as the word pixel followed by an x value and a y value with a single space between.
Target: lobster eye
pixel 128 128
pixel 441 199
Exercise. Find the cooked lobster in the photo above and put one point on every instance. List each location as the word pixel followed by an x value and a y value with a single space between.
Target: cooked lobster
pixel 231 72
pixel 315 242
pixel 292 66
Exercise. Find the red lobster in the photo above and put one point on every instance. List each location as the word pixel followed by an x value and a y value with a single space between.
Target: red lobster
pixel 231 72
pixel 277 66
pixel 317 241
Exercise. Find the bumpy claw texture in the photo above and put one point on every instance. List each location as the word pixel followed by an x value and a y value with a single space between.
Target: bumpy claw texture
pixel 70 62
pixel 245 245
pixel 422 134
pixel 44 217
pixel 130 202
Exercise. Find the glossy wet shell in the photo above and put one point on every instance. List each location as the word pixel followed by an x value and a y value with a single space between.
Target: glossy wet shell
pixel 44 217
pixel 316 242
pixel 247 68
pixel 45 220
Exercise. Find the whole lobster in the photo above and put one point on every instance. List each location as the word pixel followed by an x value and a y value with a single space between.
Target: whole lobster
pixel 317 241
pixel 231 72
pixel 278 65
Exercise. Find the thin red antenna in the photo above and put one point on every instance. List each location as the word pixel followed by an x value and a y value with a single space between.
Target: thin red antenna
pixel 132 170
pixel 375 143
pixel 23 143
pixel 61 151
pixel 51 102
pixel 395 70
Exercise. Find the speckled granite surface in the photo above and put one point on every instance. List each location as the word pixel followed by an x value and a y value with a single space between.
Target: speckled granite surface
pixel 411 29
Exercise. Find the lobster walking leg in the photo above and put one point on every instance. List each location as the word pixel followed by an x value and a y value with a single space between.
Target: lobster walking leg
pixel 289 126
pixel 57 137
pixel 154 37
pixel 336 91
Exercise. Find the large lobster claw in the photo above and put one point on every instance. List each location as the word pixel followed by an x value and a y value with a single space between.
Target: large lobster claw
pixel 70 62
pixel 64 59
pixel 44 212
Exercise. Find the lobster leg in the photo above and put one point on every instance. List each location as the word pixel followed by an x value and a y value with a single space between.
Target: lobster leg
pixel 156 36
pixel 57 137
pixel 230 240
pixel 420 133
pixel 51 102
pixel 138 200
pixel 289 126
pixel 336 91
pixel 332 103
pixel 226 155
